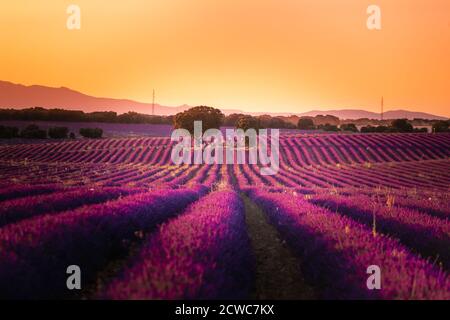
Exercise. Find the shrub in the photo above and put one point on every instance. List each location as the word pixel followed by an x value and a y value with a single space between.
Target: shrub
pixel 72 135
pixel 289 125
pixel 441 126
pixel 230 120
pixel 93 133
pixel 378 129
pixel 328 127
pixel 351 127
pixel 306 124
pixel 33 132
pixel 8 132
pixel 368 129
pixel 402 125
pixel 383 129
pixel 211 118
pixel 247 122
pixel 277 123
pixel 58 132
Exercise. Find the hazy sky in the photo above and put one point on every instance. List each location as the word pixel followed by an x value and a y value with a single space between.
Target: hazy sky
pixel 255 55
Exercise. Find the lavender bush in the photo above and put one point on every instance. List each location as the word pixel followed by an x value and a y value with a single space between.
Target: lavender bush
pixel 35 253
pixel 336 252
pixel 203 254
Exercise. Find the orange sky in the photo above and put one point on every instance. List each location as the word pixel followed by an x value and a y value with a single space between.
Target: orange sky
pixel 255 55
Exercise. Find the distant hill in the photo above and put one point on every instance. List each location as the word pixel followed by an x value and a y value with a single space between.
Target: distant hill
pixel 20 96
pixel 360 114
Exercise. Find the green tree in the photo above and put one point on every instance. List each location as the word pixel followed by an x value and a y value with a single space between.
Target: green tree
pixel 58 132
pixel 94 133
pixel 211 118
pixel 247 122
pixel 277 123
pixel 8 132
pixel 306 124
pixel 351 127
pixel 230 120
pixel 328 127
pixel 32 131
pixel 441 126
pixel 402 125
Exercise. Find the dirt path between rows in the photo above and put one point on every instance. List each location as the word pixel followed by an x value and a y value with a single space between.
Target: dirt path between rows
pixel 278 275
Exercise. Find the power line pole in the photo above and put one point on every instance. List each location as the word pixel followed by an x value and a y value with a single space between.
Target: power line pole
pixel 153 103
pixel 382 108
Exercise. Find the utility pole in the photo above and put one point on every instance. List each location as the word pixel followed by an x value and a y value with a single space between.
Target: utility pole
pixel 153 103
pixel 382 107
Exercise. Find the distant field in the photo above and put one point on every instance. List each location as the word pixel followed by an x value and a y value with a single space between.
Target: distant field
pixel 109 129
pixel 141 227
pixel 113 130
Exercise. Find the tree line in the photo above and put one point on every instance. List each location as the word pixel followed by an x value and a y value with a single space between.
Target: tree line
pixel 211 117
pixel 33 131
pixel 42 114
pixel 214 118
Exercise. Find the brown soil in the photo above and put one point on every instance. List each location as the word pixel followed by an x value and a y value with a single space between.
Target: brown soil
pixel 278 274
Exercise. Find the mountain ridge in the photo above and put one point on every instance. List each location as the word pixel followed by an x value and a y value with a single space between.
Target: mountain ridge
pixel 20 96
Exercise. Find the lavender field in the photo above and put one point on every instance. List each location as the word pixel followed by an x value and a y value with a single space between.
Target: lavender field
pixel 110 129
pixel 140 227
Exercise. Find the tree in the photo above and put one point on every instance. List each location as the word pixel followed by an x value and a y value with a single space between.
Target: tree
pixel 230 120
pixel 328 127
pixel 133 117
pixel 381 129
pixel 368 129
pixel 106 116
pixel 94 133
pixel 210 117
pixel 264 120
pixel 351 127
pixel 247 122
pixel 402 125
pixel 378 129
pixel 41 114
pixel 289 125
pixel 8 132
pixel 441 126
pixel 277 123
pixel 58 132
pixel 327 119
pixel 32 131
pixel 306 124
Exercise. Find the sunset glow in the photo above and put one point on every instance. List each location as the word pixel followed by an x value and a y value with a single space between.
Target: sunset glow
pixel 264 55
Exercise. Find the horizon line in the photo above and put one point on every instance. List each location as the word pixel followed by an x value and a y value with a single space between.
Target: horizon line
pixel 229 109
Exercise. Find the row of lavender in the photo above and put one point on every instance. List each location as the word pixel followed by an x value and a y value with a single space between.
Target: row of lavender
pixel 305 150
pixel 429 175
pixel 337 250
pixel 423 233
pixel 426 175
pixel 35 252
pixel 205 252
